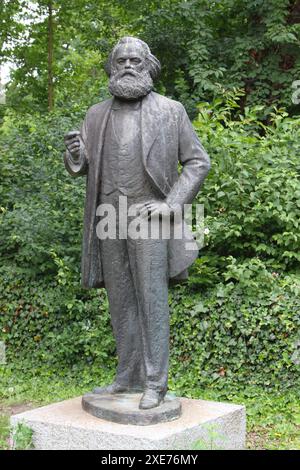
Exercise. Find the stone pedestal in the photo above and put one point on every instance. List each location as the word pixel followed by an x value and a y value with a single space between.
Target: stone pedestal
pixel 202 425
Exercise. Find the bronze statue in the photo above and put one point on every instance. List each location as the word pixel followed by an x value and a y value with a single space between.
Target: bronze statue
pixel 130 146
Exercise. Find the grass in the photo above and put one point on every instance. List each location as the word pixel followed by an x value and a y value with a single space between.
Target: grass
pixel 4 431
pixel 273 418
pixel 276 430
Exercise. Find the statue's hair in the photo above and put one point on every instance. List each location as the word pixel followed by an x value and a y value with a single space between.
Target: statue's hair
pixel 153 63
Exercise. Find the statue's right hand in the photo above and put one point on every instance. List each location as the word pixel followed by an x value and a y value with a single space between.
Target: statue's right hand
pixel 72 142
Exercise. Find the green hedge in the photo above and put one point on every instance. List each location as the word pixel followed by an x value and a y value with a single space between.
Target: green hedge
pixel 244 331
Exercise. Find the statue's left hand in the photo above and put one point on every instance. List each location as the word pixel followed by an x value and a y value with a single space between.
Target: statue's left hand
pixel 155 209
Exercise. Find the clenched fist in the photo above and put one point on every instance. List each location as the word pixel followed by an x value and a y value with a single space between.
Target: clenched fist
pixel 72 142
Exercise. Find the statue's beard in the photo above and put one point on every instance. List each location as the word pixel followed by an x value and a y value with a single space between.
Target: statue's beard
pixel 130 85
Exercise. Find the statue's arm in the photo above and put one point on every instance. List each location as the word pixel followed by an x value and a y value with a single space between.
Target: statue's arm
pixel 195 165
pixel 75 157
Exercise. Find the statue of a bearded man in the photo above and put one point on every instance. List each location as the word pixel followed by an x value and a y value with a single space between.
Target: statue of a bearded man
pixel 129 146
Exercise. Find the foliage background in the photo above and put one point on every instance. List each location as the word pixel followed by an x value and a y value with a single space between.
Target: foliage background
pixel 235 325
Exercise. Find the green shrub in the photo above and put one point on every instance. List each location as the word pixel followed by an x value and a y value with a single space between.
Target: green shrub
pixel 53 323
pixel 252 194
pixel 41 207
pixel 243 331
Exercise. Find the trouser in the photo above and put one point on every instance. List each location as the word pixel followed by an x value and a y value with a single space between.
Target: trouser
pixel 135 274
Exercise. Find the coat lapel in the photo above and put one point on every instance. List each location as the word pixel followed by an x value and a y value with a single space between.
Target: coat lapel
pixel 91 260
pixel 153 142
pixel 96 152
pixel 150 124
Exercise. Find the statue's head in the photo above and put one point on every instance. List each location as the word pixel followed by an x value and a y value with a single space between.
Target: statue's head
pixel 132 69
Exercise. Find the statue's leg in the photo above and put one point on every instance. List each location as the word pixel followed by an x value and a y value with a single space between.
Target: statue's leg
pixel 124 313
pixel 149 265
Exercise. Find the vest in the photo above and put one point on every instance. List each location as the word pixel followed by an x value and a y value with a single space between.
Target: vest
pixel 122 165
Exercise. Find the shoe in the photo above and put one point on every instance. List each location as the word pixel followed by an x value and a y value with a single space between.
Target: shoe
pixel 110 389
pixel 151 399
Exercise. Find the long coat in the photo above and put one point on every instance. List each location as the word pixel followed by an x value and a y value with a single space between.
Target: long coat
pixel 167 138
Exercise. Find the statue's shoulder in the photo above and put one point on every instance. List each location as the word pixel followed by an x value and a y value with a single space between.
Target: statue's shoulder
pixel 168 103
pixel 99 108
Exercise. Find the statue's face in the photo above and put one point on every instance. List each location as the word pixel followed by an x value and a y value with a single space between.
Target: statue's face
pixel 130 78
pixel 129 58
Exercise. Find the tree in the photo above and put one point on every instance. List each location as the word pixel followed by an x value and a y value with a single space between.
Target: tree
pixel 62 48
pixel 50 56
pixel 205 48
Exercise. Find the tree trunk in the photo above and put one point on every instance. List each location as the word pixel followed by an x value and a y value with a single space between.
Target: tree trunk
pixel 50 57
